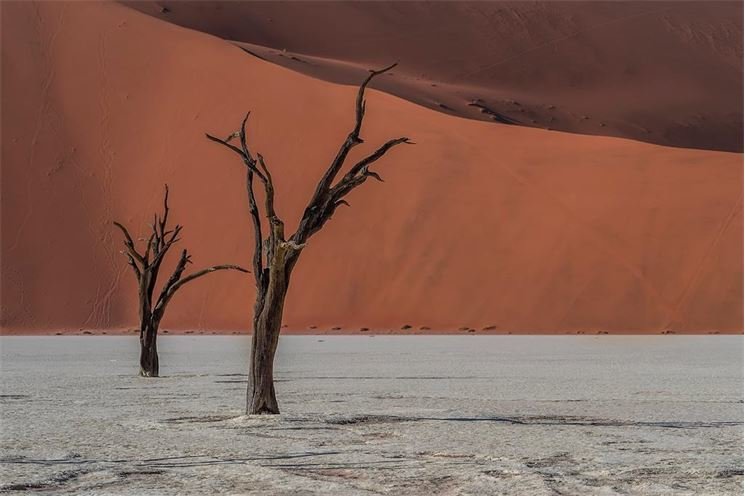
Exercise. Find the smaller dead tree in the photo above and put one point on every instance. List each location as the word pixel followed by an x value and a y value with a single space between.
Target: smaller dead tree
pixel 146 267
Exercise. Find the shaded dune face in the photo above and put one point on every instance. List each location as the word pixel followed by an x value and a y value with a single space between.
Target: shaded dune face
pixel 477 225
pixel 668 73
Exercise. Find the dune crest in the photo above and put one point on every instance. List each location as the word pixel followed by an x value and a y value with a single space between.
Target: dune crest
pixel 668 73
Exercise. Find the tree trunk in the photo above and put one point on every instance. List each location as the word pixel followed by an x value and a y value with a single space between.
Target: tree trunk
pixel 149 351
pixel 261 398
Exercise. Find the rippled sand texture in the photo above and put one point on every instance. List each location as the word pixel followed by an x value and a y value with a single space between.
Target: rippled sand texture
pixel 377 415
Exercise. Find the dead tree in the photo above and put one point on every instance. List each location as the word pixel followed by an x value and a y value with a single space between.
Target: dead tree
pixel 275 255
pixel 146 266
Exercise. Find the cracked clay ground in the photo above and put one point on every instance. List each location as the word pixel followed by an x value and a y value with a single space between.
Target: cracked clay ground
pixel 427 415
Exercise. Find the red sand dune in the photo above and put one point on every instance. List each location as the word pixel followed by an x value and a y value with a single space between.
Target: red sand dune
pixel 477 225
pixel 663 72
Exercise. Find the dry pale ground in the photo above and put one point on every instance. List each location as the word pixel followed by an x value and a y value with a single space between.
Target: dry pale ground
pixel 377 415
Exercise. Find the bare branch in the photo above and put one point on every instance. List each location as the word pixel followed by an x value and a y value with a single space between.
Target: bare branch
pixel 374 175
pixel 258 237
pixel 206 271
pixel 246 157
pixel 269 189
pixel 276 226
pixel 360 172
pixel 175 282
pixel 131 262
pixel 175 277
pixel 130 244
pixel 164 220
pixel 165 246
pixel 361 94
pixel 225 143
pixel 363 164
pixel 352 140
pixel 149 248
pixel 242 137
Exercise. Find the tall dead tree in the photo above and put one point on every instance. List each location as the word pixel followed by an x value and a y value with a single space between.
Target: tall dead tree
pixel 146 267
pixel 275 255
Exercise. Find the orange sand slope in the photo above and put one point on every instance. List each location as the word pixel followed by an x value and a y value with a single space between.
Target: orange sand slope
pixel 477 225
pixel 664 72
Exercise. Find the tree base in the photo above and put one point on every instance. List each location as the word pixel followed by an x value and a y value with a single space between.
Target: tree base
pixel 263 401
pixel 267 406
pixel 149 363
pixel 263 411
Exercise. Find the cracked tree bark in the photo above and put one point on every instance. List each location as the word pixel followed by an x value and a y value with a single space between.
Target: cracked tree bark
pixel 275 256
pixel 146 267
